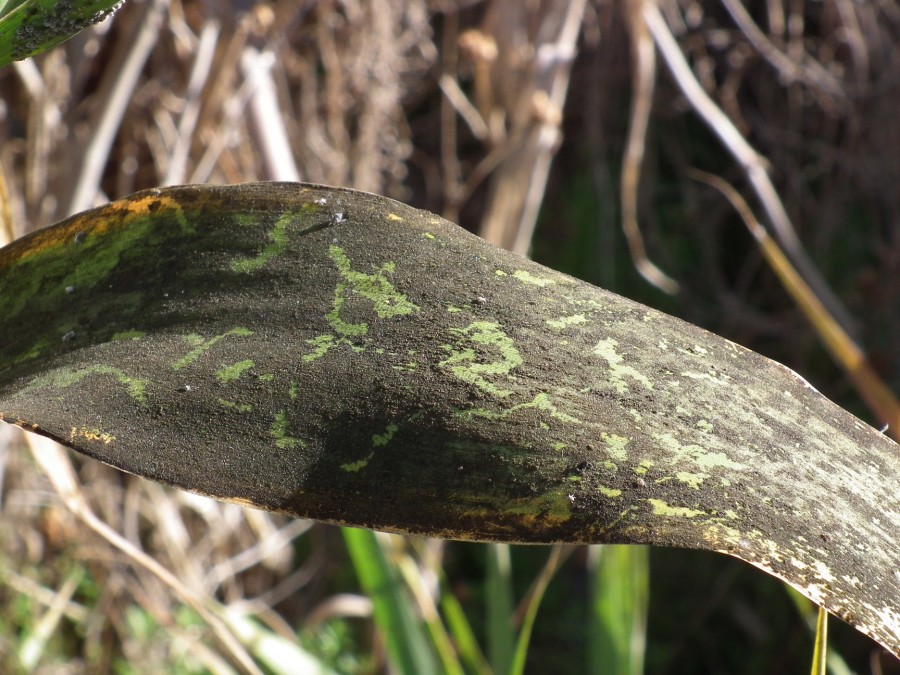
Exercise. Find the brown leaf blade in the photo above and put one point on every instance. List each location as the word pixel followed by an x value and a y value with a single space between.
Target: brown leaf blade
pixel 340 356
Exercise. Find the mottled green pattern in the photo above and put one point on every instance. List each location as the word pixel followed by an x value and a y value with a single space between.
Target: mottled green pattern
pixel 339 356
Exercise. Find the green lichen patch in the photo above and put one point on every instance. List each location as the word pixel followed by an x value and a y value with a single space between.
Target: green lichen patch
pixel 606 349
pixel 340 326
pixel 643 467
pixel 697 455
pixel 321 344
pixel 39 280
pixel 238 407
pixel 466 363
pixel 386 301
pixel 692 480
pixel 615 445
pixel 354 467
pixel 279 238
pixel 230 373
pixel 528 278
pixel 612 493
pixel 279 431
pixel 377 288
pixel 711 377
pixel 127 335
pixel 67 377
pixel 564 321
pixel 379 440
pixel 201 346
pixel 541 402
pixel 661 508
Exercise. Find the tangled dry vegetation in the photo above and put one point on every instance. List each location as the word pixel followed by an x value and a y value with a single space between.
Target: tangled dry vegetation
pixel 484 112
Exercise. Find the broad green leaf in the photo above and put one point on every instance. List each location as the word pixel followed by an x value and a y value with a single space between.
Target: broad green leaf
pixel 29 27
pixel 340 356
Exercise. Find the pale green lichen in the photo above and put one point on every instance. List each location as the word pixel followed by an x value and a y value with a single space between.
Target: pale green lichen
pixel 713 377
pixel 66 377
pixel 564 321
pixel 376 288
pixel 539 402
pixel 528 278
pixel 127 335
pixel 230 373
pixel 340 326
pixel 606 349
pixel 616 445
pixel 379 440
pixel 200 345
pixel 661 508
pixel 237 407
pixel 642 468
pixel 696 454
pixel 279 238
pixel 609 492
pixel 464 361
pixel 279 431
pixel 704 425
pixel 692 480
pixel 386 301
pixel 321 344
pixel 353 467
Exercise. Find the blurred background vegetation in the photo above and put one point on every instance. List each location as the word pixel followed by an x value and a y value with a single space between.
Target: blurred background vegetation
pixel 511 117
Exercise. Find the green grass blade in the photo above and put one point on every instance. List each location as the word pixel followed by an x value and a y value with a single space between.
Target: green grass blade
pixel 810 614
pixel 501 637
pixel 533 602
pixel 466 643
pixel 820 650
pixel 618 618
pixel 34 26
pixel 431 619
pixel 404 634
